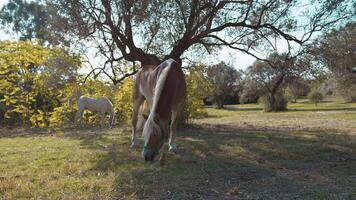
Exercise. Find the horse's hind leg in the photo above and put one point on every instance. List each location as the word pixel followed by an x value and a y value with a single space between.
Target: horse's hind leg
pixel 102 119
pixel 137 101
pixel 173 127
pixel 112 118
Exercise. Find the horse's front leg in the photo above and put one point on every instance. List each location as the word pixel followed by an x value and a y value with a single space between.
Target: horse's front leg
pixel 79 115
pixel 137 101
pixel 162 157
pixel 173 127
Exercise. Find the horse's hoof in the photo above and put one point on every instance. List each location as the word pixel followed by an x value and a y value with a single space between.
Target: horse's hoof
pixel 173 149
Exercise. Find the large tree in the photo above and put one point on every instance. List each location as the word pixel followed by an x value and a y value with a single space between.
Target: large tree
pixel 336 51
pixel 33 20
pixel 150 31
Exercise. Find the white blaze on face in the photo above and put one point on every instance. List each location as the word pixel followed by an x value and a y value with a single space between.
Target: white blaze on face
pixel 151 129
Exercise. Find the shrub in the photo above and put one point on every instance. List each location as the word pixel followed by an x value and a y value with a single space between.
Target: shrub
pixel 61 116
pixel 275 103
pixel 251 92
pixel 122 100
pixel 315 97
pixel 196 85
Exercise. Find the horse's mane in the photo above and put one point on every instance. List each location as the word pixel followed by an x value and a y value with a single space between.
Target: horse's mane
pixel 157 94
pixel 159 86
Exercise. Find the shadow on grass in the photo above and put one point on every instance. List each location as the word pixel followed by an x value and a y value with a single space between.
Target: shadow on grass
pixel 228 162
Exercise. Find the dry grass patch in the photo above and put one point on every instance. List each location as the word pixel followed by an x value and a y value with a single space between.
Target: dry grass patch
pixel 237 153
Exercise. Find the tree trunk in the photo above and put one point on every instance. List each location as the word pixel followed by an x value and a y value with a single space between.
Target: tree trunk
pixel 271 99
pixel 270 103
pixel 27 117
pixel 220 103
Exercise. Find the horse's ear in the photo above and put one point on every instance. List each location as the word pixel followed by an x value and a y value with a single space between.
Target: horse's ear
pixel 156 119
pixel 145 116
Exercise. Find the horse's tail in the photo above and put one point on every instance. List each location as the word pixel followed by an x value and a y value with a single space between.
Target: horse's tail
pixel 160 85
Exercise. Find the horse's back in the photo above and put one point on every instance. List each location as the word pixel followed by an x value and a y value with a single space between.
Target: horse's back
pixel 96 104
pixel 174 86
pixel 174 91
pixel 104 99
pixel 146 80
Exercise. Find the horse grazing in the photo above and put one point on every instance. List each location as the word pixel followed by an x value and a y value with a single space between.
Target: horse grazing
pixel 164 88
pixel 101 105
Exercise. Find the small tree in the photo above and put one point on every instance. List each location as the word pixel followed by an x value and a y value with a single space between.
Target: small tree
pixel 251 91
pixel 315 97
pixel 279 103
pixel 224 80
pixel 296 88
pixel 270 75
pixel 18 63
pixel 32 77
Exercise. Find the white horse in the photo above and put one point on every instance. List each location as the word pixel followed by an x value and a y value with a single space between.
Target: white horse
pixel 100 105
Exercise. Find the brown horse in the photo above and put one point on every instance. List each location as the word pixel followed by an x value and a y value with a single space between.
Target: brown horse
pixel 164 89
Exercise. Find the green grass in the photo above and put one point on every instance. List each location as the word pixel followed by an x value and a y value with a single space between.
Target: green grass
pixel 239 152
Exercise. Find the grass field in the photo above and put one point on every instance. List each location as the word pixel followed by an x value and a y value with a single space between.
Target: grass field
pixel 240 152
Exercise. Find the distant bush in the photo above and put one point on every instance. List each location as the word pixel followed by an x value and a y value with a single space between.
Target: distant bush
pixel 251 92
pixel 278 103
pixel 297 88
pixel 243 99
pixel 315 97
pixel 348 93
pixel 248 98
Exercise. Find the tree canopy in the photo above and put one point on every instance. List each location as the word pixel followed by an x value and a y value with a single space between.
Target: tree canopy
pixel 336 51
pixel 33 20
pixel 150 31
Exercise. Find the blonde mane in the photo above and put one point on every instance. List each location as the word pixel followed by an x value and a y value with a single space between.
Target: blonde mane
pixel 159 87
pixel 157 94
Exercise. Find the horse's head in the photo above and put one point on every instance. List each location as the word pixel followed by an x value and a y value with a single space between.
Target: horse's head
pixel 74 97
pixel 155 133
